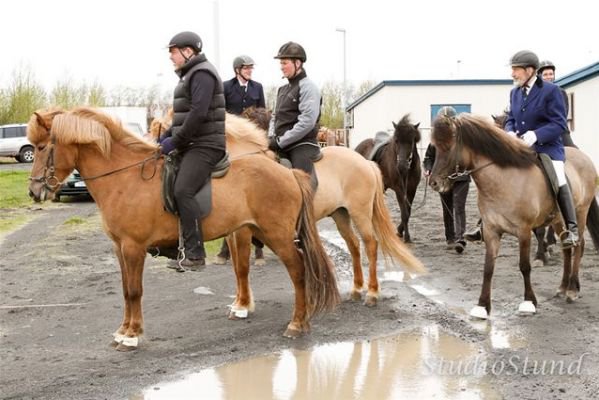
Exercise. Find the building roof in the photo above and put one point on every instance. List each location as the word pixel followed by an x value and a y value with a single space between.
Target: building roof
pixel 579 75
pixel 452 82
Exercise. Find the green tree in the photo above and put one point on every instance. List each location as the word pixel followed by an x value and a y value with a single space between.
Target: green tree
pixel 66 95
pixel 23 96
pixel 96 96
pixel 331 113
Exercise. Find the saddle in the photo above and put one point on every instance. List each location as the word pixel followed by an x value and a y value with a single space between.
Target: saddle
pixel 549 172
pixel 203 197
pixel 381 139
pixel 317 157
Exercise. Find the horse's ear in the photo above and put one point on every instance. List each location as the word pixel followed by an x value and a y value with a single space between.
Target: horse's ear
pixel 394 125
pixel 417 125
pixel 494 117
pixel 42 122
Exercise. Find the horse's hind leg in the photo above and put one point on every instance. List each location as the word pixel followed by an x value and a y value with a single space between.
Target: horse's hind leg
pixel 342 220
pixel 540 256
pixel 574 282
pixel 529 296
pixel 239 245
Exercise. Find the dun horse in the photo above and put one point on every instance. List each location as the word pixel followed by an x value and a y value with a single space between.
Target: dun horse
pixel 123 176
pixel 400 165
pixel 513 196
pixel 349 190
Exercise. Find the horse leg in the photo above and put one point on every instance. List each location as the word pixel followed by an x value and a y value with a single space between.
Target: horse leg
pixel 224 254
pixel 342 220
pixel 240 259
pixel 402 228
pixel 540 256
pixel 483 309
pixel 132 265
pixel 573 283
pixel 550 241
pixel 258 252
pixel 567 265
pixel 119 334
pixel 530 301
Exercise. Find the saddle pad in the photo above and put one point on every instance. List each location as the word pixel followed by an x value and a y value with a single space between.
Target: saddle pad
pixel 381 139
pixel 547 168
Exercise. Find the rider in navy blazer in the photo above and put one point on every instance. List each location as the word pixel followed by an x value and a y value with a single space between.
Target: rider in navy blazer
pixel 538 116
pixel 242 92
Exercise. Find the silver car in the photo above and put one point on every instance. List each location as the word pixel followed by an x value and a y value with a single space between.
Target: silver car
pixel 14 143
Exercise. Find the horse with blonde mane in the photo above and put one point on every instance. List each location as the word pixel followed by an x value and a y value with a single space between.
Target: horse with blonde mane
pixel 122 173
pixel 350 190
pixel 513 196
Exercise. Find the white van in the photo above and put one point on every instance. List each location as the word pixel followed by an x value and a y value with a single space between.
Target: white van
pixel 14 143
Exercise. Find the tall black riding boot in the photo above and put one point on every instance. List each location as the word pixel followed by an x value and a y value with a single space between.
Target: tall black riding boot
pixel 569 238
pixel 194 246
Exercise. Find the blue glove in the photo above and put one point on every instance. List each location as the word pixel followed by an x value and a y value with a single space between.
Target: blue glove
pixel 166 146
pixel 165 135
pixel 273 144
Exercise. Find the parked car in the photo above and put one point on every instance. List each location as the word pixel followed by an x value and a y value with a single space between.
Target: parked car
pixel 74 185
pixel 14 143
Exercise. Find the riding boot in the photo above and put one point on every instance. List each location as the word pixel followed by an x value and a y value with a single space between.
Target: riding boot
pixel 566 205
pixel 194 246
pixel 475 234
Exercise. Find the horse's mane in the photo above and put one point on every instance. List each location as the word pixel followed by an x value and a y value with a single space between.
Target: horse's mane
pixel 85 125
pixel 244 130
pixel 405 131
pixel 483 138
pixel 258 115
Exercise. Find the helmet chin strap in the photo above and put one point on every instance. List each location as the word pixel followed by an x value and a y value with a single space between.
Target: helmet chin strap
pixel 183 55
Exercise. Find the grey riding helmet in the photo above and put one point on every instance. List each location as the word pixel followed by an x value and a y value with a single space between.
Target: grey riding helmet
pixel 292 50
pixel 447 111
pixel 546 64
pixel 524 59
pixel 186 39
pixel 241 61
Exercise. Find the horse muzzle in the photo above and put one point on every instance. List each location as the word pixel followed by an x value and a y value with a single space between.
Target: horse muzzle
pixel 439 185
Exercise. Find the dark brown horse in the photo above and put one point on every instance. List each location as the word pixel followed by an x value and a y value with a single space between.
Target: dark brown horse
pixel 123 175
pixel 400 165
pixel 513 196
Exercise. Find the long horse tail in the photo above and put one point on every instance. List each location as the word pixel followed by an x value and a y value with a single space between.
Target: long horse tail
pixel 322 293
pixel 593 223
pixel 391 245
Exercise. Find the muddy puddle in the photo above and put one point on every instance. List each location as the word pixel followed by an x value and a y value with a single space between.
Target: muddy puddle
pixel 426 363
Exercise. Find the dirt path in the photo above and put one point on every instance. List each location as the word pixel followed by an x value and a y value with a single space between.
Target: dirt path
pixel 60 301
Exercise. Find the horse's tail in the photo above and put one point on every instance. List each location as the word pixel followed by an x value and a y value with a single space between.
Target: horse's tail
pixel 391 245
pixel 322 293
pixel 593 223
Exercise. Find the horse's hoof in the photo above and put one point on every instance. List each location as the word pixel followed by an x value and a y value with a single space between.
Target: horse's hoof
pixel 356 295
pixel 479 312
pixel 220 260
pixel 571 296
pixel 371 301
pixel 292 333
pixel 127 343
pixel 527 307
pixel 259 262
pixel 237 313
pixel 124 348
pixel 559 293
pixel 538 263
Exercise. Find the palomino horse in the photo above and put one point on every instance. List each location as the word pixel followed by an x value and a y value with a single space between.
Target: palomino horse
pixel 400 165
pixel 349 190
pixel 159 125
pixel 123 176
pixel 513 195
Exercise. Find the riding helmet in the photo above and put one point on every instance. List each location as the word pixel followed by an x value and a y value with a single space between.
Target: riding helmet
pixel 546 64
pixel 447 111
pixel 186 39
pixel 292 50
pixel 525 58
pixel 241 61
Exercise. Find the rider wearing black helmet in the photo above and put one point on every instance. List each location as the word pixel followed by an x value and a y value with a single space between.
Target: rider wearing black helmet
pixel 297 111
pixel 547 73
pixel 197 133
pixel 242 92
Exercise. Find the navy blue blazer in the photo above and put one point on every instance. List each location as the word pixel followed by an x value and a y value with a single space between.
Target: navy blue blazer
pixel 237 99
pixel 542 111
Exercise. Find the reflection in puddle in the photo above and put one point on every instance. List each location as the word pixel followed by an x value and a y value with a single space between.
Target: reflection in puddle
pixel 393 276
pixel 422 364
pixel 499 337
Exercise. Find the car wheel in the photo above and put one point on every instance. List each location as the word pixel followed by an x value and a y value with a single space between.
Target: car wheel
pixel 26 154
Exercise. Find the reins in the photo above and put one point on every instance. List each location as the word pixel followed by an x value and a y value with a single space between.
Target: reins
pixel 156 156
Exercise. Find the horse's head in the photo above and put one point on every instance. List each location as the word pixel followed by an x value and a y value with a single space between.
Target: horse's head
pixel 53 162
pixel 158 126
pixel 405 137
pixel 259 116
pixel 500 119
pixel 447 157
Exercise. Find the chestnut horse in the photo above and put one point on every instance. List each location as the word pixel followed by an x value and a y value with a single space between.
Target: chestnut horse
pixel 123 175
pixel 350 191
pixel 513 196
pixel 400 165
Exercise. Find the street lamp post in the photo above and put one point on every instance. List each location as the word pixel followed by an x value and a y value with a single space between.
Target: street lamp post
pixel 344 97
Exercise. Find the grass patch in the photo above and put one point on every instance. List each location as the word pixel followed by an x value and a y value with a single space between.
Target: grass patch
pixel 10 221
pixel 213 247
pixel 13 189
pixel 74 221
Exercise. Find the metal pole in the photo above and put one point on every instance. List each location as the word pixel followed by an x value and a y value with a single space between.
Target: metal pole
pixel 344 97
pixel 216 35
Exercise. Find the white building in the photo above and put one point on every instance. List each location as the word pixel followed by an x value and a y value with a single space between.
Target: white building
pixel 583 89
pixel 391 100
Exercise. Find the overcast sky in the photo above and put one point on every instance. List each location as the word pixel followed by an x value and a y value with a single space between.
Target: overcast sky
pixel 123 42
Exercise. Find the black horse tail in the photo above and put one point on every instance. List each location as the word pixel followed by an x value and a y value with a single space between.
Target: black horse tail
pixel 322 293
pixel 593 223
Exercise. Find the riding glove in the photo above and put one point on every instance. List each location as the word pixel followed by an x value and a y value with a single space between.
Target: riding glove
pixel 512 134
pixel 164 135
pixel 273 144
pixel 530 138
pixel 166 146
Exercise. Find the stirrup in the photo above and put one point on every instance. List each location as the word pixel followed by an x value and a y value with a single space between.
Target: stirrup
pixel 563 236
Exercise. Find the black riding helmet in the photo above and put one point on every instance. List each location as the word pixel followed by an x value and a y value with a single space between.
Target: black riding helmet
pixel 186 39
pixel 524 59
pixel 292 50
pixel 546 64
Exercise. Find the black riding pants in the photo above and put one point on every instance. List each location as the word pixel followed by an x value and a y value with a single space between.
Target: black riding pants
pixel 196 165
pixel 301 157
pixel 454 211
